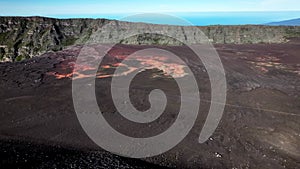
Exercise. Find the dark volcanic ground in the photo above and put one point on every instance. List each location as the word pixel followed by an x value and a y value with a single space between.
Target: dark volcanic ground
pixel 260 127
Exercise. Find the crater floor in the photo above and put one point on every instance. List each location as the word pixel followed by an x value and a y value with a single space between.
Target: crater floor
pixel 259 129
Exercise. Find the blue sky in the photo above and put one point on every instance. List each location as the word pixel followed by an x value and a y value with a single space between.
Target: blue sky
pixel 209 11
pixel 66 7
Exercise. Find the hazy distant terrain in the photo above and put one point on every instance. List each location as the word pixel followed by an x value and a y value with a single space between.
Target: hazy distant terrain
pixel 292 22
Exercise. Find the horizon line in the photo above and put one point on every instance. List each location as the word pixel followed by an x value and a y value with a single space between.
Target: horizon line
pixel 162 12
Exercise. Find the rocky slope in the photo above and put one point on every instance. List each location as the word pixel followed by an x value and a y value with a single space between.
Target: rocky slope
pixel 26 37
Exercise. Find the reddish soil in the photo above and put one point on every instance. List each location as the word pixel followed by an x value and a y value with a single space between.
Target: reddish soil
pixel 259 129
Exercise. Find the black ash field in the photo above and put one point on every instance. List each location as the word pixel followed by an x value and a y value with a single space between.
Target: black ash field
pixel 260 127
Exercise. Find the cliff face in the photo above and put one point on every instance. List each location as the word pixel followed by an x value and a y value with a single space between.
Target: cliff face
pixel 26 37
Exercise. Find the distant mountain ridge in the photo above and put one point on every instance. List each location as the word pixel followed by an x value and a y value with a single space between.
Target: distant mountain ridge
pixel 291 22
pixel 26 37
